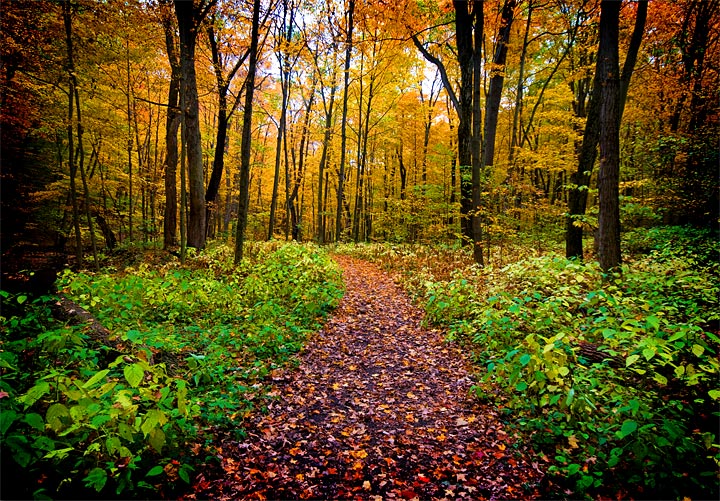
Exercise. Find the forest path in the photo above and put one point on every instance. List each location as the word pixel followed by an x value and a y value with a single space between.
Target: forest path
pixel 378 409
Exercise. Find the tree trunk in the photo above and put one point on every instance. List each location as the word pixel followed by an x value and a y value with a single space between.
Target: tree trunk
pixel 246 138
pixel 343 128
pixel 189 16
pixel 497 78
pixel 479 21
pixel 608 69
pixel 172 124
pixel 580 179
pixel 71 148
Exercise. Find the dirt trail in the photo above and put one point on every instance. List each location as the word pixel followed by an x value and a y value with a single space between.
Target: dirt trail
pixel 378 409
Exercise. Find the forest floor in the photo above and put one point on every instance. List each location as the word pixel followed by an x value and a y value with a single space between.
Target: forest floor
pixel 379 408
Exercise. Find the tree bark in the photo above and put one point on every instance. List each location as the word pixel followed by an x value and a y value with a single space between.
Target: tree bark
pixel 189 16
pixel 497 78
pixel 608 69
pixel 172 124
pixel 343 129
pixel 246 138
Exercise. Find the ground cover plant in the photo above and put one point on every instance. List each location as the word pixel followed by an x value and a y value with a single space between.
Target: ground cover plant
pixel 186 357
pixel 612 378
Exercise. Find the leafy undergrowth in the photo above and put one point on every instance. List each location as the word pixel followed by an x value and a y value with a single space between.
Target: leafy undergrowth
pixel 190 351
pixel 379 408
pixel 613 380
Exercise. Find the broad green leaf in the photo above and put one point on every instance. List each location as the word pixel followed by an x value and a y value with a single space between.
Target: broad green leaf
pixel 525 359
pixel 57 417
pixel 34 393
pixel 155 470
pixel 570 397
pixel 660 379
pixel 157 439
pixel 652 322
pixel 133 374
pixel 521 386
pixel 93 380
pixel 631 360
pixel 698 350
pixel 184 473
pixel 714 394
pixel 58 453
pixel 35 420
pixel 112 444
pixel 44 443
pixel 648 353
pixel 628 427
pixel 7 418
pixel 96 479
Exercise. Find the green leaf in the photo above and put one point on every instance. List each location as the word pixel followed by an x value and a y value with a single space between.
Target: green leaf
pixel 648 353
pixel 21 299
pixel 570 397
pixel 35 420
pixel 184 473
pixel 44 443
pixel 627 428
pixel 93 380
pixel 652 323
pixel 96 479
pixel 154 471
pixel 7 417
pixel 714 394
pixel 157 439
pixel 133 374
pixel 698 350
pixel 525 359
pixel 34 393
pixel 521 386
pixel 631 360
pixel 57 416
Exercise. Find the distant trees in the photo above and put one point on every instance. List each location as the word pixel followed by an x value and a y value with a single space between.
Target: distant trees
pixel 349 134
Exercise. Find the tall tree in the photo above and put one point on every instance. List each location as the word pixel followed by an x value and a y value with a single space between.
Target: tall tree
pixel 190 15
pixel 497 77
pixel 223 78
pixel 580 178
pixel 608 69
pixel 172 125
pixel 246 138
pixel 343 127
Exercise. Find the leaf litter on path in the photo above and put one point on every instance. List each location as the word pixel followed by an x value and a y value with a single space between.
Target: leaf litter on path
pixel 377 409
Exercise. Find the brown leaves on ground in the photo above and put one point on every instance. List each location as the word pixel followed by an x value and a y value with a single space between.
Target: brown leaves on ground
pixel 378 409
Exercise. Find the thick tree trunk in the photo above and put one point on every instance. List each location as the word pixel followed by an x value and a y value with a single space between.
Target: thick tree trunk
pixel 608 67
pixel 464 35
pixel 189 17
pixel 580 179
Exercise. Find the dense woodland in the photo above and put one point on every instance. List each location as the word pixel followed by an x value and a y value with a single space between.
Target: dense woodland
pixel 540 175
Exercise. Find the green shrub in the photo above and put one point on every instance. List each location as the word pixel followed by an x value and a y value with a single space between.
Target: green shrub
pixel 190 348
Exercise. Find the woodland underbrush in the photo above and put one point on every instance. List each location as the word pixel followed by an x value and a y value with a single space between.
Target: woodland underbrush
pixel 612 379
pixel 188 352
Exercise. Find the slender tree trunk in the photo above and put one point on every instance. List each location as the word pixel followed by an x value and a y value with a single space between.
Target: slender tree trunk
pixel 67 19
pixel 343 129
pixel 323 161
pixel 246 138
pixel 172 124
pixel 476 154
pixel 497 79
